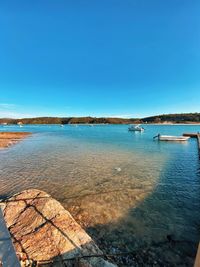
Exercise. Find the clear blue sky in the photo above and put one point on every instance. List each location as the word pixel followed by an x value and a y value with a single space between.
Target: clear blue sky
pixel 128 58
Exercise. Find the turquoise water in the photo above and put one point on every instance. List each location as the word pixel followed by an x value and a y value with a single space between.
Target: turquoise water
pixel 124 188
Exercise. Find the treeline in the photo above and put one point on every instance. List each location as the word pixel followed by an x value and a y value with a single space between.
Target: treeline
pixel 69 120
pixel 165 118
pixel 174 118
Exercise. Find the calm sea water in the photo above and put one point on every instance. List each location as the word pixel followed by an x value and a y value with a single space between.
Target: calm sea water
pixel 124 188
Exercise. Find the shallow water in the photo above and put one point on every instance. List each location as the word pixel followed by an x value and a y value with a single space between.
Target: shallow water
pixel 123 187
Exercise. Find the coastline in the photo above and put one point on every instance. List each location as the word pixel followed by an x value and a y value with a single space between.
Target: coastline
pixel 35 220
pixel 108 123
pixel 8 139
pixel 144 253
pixel 179 118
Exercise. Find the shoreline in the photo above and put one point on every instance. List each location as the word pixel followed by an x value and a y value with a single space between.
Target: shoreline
pixel 8 139
pixel 128 123
pixel 36 220
pixel 146 254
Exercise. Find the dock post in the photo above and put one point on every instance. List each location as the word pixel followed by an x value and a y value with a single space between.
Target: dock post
pixel 197 136
pixel 198 141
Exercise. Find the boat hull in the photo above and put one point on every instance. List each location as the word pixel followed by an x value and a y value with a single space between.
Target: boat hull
pixel 136 130
pixel 173 138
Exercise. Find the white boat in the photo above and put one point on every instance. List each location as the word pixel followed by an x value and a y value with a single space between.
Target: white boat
pixel 171 138
pixel 20 124
pixel 136 128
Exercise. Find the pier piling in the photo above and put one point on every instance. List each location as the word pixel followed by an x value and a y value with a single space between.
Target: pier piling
pixel 194 135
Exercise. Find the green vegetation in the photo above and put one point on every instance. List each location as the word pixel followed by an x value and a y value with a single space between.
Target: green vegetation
pixel 166 118
pixel 174 118
pixel 69 120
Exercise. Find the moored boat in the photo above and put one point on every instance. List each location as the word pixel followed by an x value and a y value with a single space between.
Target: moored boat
pixel 136 128
pixel 171 138
pixel 20 124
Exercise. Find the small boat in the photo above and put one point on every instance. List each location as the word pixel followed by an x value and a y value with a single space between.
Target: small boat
pixel 61 125
pixel 20 124
pixel 136 128
pixel 171 138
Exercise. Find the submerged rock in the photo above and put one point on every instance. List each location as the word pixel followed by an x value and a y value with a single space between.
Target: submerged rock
pixel 44 233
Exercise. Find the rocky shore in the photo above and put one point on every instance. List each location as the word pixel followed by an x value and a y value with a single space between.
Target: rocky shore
pixel 10 138
pixel 45 234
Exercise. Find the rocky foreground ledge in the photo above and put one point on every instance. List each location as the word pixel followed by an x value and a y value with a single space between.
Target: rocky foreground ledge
pixel 45 234
pixel 10 138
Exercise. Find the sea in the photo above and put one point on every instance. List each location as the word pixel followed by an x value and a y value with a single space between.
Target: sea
pixel 127 190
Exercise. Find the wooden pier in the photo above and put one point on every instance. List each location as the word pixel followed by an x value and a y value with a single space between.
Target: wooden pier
pixel 197 136
pixel 194 135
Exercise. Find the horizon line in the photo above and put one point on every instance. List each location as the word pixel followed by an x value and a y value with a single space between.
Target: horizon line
pixel 88 116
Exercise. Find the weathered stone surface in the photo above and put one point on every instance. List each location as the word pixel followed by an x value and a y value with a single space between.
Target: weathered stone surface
pixel 42 231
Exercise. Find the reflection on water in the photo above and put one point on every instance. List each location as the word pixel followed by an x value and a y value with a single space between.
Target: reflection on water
pixel 124 188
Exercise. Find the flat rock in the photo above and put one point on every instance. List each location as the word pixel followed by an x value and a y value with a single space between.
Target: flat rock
pixel 44 232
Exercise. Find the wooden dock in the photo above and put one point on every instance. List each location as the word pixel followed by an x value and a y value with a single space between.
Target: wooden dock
pixel 194 135
pixel 197 136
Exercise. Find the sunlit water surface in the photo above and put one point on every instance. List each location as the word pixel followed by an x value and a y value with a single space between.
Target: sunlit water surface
pixel 122 187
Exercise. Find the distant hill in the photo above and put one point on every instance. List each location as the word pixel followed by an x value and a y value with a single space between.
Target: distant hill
pixel 69 120
pixel 165 118
pixel 173 118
